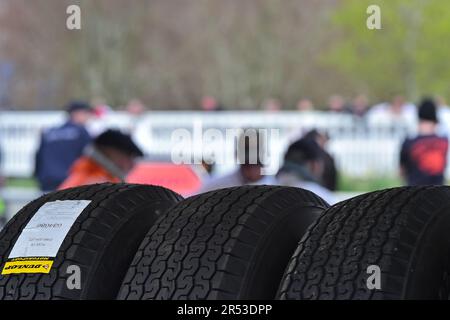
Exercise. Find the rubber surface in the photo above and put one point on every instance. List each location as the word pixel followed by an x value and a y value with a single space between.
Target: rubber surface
pixel 403 231
pixel 102 241
pixel 231 243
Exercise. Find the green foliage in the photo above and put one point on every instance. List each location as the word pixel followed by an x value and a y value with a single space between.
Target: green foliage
pixel 409 55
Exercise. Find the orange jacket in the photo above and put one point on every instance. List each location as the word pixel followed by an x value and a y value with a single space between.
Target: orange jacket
pixel 86 171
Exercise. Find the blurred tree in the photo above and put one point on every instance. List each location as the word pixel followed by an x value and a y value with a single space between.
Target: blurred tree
pixel 407 56
pixel 169 53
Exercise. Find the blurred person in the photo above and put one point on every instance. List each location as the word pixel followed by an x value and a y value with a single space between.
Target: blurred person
pixel 329 177
pixel 303 168
pixel 399 106
pixel 336 103
pixel 61 146
pixel 100 111
pixel 135 107
pixel 392 112
pixel 247 149
pixel 100 107
pixel 305 105
pixel 210 103
pixel 360 105
pixel 110 158
pixel 423 159
pixel 272 105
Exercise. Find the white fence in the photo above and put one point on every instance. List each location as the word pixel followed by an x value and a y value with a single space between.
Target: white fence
pixel 359 149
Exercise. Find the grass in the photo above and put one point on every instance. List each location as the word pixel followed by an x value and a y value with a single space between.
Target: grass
pixel 367 184
pixel 21 183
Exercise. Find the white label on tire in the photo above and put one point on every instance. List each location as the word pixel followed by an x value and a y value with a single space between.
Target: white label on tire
pixel 47 229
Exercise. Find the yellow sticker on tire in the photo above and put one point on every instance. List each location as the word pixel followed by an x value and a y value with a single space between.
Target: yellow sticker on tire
pixel 27 265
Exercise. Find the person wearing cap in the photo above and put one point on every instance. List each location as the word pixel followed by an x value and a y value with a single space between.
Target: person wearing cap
pixel 109 159
pixel 303 168
pixel 423 159
pixel 61 146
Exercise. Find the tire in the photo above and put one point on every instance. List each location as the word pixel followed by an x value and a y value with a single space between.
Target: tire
pixel 226 244
pixel 403 231
pixel 101 242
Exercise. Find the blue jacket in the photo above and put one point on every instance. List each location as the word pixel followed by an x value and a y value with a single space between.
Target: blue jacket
pixel 59 149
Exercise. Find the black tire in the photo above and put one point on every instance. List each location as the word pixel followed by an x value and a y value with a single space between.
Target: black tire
pixel 226 244
pixel 102 242
pixel 403 231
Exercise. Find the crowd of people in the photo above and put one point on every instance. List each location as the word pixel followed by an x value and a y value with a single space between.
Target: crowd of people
pixel 358 106
pixel 69 155
pixel 394 112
